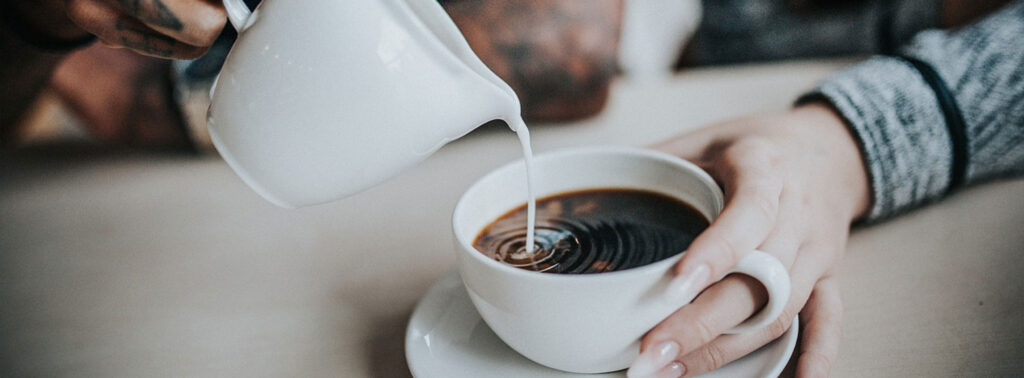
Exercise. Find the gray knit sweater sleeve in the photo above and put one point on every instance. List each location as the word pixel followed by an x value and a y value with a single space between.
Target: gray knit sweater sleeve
pixel 901 129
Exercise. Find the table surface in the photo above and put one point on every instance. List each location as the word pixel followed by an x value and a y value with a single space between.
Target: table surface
pixel 140 265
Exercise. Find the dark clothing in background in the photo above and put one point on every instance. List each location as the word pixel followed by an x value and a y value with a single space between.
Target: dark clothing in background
pixel 738 31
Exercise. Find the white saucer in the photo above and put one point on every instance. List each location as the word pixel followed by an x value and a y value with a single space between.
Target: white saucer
pixel 447 338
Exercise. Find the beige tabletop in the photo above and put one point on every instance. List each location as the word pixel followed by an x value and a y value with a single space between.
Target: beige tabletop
pixel 115 265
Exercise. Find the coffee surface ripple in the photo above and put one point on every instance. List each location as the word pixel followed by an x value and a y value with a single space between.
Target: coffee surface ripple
pixel 594 231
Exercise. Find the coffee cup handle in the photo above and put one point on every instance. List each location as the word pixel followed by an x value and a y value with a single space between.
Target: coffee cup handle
pixel 238 13
pixel 773 275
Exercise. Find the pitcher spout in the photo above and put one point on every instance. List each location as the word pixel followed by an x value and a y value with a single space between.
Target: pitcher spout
pixel 448 37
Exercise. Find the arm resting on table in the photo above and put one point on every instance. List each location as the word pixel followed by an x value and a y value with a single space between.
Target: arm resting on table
pixel 899 123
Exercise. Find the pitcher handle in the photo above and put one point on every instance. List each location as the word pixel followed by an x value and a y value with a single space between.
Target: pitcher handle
pixel 238 13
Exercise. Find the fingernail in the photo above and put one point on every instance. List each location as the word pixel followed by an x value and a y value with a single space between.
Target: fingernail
pixel 653 359
pixel 673 370
pixel 686 286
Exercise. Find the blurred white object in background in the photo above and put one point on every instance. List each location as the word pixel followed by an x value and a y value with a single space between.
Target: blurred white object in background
pixel 654 33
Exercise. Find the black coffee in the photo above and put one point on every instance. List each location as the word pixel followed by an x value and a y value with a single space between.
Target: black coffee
pixel 594 231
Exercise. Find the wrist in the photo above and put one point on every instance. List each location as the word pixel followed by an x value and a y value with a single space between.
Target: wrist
pixel 848 174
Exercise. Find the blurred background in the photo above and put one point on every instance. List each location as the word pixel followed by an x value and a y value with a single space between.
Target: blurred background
pixel 560 56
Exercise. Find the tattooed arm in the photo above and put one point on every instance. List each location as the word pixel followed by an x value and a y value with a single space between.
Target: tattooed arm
pixel 35 33
pixel 559 56
pixel 182 29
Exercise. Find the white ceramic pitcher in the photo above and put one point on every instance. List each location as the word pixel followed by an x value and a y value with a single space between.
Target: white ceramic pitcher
pixel 320 99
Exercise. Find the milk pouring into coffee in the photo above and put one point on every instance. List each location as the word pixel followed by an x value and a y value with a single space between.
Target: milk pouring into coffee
pixel 321 99
pixel 531 202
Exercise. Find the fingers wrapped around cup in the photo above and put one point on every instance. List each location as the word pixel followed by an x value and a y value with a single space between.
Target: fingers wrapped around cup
pixel 592 322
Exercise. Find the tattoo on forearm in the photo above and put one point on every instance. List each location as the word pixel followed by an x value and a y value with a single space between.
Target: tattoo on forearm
pixel 153 12
pixel 137 38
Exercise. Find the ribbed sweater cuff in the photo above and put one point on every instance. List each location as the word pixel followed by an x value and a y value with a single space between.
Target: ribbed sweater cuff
pixel 902 135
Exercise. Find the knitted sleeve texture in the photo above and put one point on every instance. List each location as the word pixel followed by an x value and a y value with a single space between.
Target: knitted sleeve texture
pixel 900 126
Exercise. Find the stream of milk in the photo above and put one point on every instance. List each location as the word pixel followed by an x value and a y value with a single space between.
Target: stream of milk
pixel 523 133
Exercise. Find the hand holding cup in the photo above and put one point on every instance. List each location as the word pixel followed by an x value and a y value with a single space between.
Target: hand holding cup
pixel 793 184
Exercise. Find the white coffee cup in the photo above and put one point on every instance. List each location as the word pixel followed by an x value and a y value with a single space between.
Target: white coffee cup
pixel 589 323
